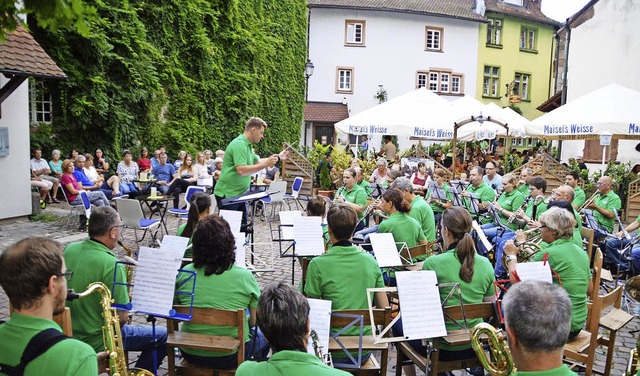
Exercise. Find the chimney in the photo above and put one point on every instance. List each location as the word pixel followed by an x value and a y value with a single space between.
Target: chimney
pixel 537 4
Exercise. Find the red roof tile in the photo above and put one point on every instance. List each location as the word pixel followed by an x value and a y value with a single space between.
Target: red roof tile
pixel 529 11
pixel 325 112
pixel 20 54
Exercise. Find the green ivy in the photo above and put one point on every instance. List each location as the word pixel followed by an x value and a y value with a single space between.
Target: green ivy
pixel 181 73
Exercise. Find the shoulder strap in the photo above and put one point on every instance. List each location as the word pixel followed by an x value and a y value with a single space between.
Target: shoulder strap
pixel 37 346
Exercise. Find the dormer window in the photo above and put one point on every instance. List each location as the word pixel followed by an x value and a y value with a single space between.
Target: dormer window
pixel 515 2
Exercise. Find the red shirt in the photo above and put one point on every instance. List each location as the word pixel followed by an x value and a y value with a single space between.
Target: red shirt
pixel 66 179
pixel 144 164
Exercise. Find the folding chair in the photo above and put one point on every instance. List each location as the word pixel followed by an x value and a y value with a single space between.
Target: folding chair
pixel 296 186
pixel 205 316
pixel 132 217
pixel 187 199
pixel 277 190
pixel 75 209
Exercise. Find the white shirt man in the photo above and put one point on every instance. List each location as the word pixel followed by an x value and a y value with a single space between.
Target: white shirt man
pixel 492 178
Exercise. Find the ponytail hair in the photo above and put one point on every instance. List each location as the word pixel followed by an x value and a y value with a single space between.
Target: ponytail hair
pixel 395 196
pixel 458 221
pixel 199 203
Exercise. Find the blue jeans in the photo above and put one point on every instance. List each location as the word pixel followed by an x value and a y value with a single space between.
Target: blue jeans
pixel 127 188
pixel 139 338
pixel 612 254
pixel 257 347
pixel 499 270
pixel 364 234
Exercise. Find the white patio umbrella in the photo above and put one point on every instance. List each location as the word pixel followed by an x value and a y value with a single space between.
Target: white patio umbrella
pixel 613 108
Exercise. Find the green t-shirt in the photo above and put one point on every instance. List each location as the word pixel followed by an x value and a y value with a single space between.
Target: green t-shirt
pixel 485 193
pixel 288 362
pixel 422 212
pixel 364 184
pixel 434 205
pixel 609 202
pixel 236 288
pixel 404 229
pixel 524 190
pixel 91 262
pixel 447 267
pixel 563 370
pixel 510 201
pixel 541 208
pixel 356 195
pixel 579 197
pixel 67 357
pixel 238 153
pixel 572 265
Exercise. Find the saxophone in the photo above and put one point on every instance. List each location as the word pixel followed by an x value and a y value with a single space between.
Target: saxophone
pixel 317 348
pixel 503 362
pixel 111 332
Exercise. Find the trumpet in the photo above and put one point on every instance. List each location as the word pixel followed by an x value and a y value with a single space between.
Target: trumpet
pixel 317 348
pixel 589 201
pixel 502 364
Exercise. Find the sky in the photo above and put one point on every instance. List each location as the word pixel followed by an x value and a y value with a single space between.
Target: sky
pixel 560 10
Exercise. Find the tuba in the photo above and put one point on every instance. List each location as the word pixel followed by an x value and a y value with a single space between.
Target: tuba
pixel 111 332
pixel 632 292
pixel 502 364
pixel 317 348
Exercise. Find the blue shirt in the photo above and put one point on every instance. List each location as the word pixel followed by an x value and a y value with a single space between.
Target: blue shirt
pixel 154 163
pixel 164 173
pixel 82 178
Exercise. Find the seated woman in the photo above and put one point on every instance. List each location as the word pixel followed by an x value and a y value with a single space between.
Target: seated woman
pixel 127 172
pixel 200 208
pixel 441 203
pixel 180 160
pixel 102 163
pixel 72 188
pixel 223 285
pixel 92 173
pixel 270 174
pixel 185 176
pixel 565 258
pixel 379 175
pixel 144 163
pixel 56 164
pixel 420 179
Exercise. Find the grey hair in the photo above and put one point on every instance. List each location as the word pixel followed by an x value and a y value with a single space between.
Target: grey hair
pixel 358 170
pixel 478 169
pixel 560 221
pixel 54 152
pixel 570 191
pixel 402 184
pixel 102 220
pixel 509 178
pixel 80 157
pixel 381 161
pixel 282 316
pixel 528 304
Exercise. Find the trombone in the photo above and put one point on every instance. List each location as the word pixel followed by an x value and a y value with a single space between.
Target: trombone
pixel 589 201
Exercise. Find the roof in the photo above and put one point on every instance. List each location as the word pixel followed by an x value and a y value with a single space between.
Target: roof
pixel 461 9
pixel 529 11
pixel 325 112
pixel 21 55
pixel 551 103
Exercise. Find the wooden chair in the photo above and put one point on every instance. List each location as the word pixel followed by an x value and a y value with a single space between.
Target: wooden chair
pixel 587 241
pixel 371 366
pixel 611 322
pixel 596 274
pixel 207 316
pixel 581 351
pixel 408 355
pixel 64 320
pixel 412 253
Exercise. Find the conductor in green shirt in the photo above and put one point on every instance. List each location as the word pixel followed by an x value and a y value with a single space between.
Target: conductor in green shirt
pixel 537 349
pixel 240 162
pixel 283 317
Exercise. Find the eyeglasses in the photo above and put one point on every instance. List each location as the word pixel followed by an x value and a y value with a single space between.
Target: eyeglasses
pixel 120 226
pixel 67 275
pixel 601 183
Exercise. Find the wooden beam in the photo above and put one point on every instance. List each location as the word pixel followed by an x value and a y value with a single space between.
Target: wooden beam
pixel 11 86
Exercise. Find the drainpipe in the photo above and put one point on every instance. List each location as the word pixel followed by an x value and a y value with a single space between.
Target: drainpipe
pixel 563 100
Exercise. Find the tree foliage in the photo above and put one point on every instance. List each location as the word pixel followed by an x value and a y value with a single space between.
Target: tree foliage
pixel 51 14
pixel 181 73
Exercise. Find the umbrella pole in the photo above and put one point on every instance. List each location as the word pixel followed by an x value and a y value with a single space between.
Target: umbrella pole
pixel 455 139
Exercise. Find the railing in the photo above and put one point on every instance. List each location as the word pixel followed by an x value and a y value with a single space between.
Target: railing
pixel 633 201
pixel 297 165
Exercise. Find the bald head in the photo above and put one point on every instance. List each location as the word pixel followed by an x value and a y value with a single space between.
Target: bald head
pixel 565 192
pixel 604 184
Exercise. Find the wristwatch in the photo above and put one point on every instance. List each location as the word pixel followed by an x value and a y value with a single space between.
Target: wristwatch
pixel 512 257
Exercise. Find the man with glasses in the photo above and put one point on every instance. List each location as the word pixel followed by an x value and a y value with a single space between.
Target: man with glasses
pixel 33 274
pixel 492 178
pixel 93 260
pixel 604 204
pixel 484 193
pixel 523 183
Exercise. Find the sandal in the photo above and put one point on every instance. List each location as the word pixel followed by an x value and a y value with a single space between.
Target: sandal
pixel 55 200
pixel 47 200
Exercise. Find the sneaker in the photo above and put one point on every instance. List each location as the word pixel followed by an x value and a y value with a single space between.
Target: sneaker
pixel 43 204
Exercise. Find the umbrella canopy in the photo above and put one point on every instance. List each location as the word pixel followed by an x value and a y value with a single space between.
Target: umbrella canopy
pixel 420 113
pixel 480 128
pixel 613 108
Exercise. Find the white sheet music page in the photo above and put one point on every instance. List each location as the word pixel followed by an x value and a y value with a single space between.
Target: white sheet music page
pixel 482 236
pixel 234 218
pixel 240 251
pixel 385 250
pixel 286 223
pixel 320 320
pixel 154 280
pixel 177 243
pixel 534 271
pixel 420 307
pixel 307 232
pixel 253 196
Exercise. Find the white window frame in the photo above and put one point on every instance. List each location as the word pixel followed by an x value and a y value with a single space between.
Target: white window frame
pixel 528 38
pixel 491 82
pixel 40 103
pixel 515 2
pixel 456 80
pixel 494 32
pixel 522 85
pixel 437 38
pixel 344 80
pixel 422 79
pixel 351 33
pixel 440 81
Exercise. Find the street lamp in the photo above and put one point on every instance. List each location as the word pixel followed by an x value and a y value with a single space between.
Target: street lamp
pixel 308 72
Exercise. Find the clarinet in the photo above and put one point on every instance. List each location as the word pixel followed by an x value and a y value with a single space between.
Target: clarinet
pixel 340 192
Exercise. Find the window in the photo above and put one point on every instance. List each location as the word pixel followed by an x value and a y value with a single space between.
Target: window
pixel 515 2
pixel 456 84
pixel 434 38
pixel 421 78
pixel 527 39
pixel 354 33
pixel 40 103
pixel 344 80
pixel 440 81
pixel 494 32
pixel 521 87
pixel 491 82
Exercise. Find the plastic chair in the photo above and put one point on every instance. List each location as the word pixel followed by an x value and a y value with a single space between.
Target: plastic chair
pixel 133 218
pixel 76 209
pixel 296 186
pixel 187 198
pixel 277 190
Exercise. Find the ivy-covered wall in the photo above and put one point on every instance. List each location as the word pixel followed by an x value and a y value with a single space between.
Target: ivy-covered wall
pixel 181 73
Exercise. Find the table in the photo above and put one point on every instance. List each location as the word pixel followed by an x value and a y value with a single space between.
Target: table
pixel 162 209
pixel 144 183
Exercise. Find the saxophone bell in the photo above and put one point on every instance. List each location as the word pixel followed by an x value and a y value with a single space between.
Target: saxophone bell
pixel 502 364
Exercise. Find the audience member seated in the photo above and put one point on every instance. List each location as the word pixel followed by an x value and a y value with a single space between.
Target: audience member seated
pixel 101 163
pixel 72 188
pixel 40 168
pixel 97 178
pixel 420 179
pixel 270 174
pixel 44 186
pixel 180 160
pixel 379 175
pixel 186 176
pixel 144 163
pixel 55 164
pixel 163 173
pixel 127 171
pixel 84 181
pixel 223 285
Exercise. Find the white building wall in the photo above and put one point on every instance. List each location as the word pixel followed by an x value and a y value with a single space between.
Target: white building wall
pixel 394 51
pixel 605 49
pixel 15 190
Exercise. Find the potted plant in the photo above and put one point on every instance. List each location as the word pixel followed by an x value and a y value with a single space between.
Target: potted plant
pixel 325 182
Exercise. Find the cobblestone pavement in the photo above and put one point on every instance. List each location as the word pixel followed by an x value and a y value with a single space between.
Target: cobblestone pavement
pixel 280 270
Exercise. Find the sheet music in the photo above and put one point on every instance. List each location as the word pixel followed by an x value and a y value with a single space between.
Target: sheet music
pixel 459 185
pixel 473 203
pixel 385 250
pixel 534 271
pixel 241 254
pixel 254 196
pixel 482 236
pixel 320 321
pixel 307 232
pixel 286 223
pixel 174 243
pixel 418 293
pixel 234 218
pixel 155 278
pixel 438 192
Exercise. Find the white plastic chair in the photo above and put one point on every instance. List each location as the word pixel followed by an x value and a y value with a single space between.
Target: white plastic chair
pixel 296 186
pixel 132 217
pixel 277 190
